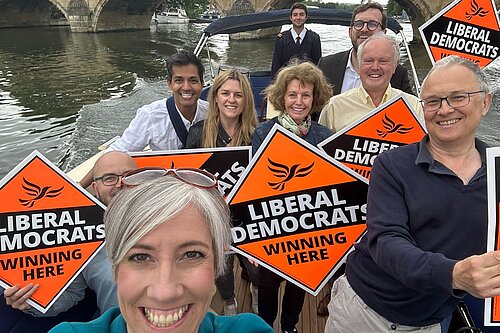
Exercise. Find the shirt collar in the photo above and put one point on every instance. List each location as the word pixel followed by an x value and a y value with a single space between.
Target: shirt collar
pixel 368 100
pixel 424 157
pixel 349 63
pixel 302 34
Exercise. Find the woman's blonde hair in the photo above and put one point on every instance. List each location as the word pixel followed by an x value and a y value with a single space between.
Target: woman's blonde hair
pixel 305 72
pixel 247 119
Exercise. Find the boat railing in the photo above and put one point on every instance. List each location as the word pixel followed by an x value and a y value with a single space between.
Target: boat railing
pixel 412 64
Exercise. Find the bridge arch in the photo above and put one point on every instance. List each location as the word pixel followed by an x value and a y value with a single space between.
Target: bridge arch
pixel 110 15
pixel 60 6
pixel 15 13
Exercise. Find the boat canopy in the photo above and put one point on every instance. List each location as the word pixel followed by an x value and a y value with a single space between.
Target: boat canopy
pixel 277 18
pixel 274 18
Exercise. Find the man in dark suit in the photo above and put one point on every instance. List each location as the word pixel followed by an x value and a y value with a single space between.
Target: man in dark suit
pixel 296 42
pixel 342 69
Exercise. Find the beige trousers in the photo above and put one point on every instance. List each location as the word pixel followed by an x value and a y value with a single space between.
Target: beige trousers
pixel 349 314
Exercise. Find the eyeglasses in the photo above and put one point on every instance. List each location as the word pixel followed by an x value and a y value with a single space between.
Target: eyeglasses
pixel 109 179
pixel 371 25
pixel 191 176
pixel 456 100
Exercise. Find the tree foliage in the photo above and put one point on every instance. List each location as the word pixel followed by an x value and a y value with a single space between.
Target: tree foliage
pixel 334 5
pixel 393 9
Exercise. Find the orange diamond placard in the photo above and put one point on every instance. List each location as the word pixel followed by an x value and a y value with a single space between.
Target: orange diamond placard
pixel 389 126
pixel 50 228
pixel 467 28
pixel 297 211
pixel 492 306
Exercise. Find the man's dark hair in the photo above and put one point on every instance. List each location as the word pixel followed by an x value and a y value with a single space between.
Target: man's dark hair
pixel 370 5
pixel 184 58
pixel 299 5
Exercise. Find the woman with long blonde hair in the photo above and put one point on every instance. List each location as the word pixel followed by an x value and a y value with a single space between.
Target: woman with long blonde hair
pixel 231 117
pixel 231 121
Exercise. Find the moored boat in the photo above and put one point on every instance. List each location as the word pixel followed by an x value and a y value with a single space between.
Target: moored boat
pixel 207 17
pixel 171 15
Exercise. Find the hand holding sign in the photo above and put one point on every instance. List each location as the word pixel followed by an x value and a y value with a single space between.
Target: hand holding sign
pixel 17 298
pixel 478 275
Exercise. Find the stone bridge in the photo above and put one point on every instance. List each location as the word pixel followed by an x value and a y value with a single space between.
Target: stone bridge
pixel 111 15
pixel 80 15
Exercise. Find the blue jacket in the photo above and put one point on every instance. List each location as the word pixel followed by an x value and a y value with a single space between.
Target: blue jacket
pixel 285 48
pixel 316 134
pixel 421 219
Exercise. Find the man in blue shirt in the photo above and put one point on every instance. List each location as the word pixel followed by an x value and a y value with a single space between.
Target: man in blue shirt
pixel 426 218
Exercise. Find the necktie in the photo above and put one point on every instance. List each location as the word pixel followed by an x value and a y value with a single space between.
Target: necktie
pixel 297 40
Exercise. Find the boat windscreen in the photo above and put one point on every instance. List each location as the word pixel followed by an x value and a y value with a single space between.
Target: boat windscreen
pixel 274 18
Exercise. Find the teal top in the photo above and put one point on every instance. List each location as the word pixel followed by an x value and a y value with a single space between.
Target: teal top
pixel 112 322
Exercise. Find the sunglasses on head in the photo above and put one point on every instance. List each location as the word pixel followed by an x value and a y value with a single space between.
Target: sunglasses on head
pixel 192 176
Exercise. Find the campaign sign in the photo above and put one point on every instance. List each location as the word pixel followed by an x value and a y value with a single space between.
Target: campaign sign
pixel 50 228
pixel 297 211
pixel 492 308
pixel 467 28
pixel 226 164
pixel 389 126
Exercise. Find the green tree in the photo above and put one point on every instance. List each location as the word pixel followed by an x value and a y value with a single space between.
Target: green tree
pixel 393 9
pixel 334 5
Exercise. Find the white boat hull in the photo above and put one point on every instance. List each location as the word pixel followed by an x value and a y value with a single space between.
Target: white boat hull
pixel 171 16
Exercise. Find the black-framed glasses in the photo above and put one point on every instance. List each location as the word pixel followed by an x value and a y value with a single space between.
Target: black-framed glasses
pixel 196 177
pixel 456 100
pixel 371 25
pixel 109 179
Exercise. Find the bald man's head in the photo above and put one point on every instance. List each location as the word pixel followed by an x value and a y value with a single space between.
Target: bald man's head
pixel 107 171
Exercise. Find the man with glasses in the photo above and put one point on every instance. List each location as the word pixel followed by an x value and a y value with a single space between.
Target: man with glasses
pixel 426 218
pixel 97 275
pixel 108 170
pixel 297 42
pixel 342 69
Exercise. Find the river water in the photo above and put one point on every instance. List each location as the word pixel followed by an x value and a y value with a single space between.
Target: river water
pixel 64 94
